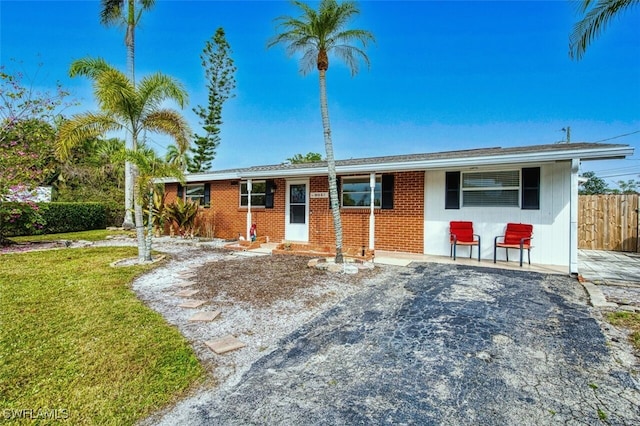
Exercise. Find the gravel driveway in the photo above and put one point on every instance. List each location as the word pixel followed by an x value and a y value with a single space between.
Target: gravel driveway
pixel 424 344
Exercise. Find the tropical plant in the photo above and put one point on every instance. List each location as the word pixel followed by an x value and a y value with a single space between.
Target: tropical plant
pixel 124 106
pixel 596 16
pixel 316 34
pixel 309 157
pixel 113 12
pixel 91 173
pixel 219 71
pixel 183 215
pixel 150 167
pixel 182 160
pixel 155 211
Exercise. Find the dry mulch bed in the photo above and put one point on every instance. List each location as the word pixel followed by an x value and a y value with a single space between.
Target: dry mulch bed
pixel 31 246
pixel 264 280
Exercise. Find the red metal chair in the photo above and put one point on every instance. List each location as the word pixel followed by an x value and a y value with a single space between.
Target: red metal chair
pixel 516 236
pixel 461 234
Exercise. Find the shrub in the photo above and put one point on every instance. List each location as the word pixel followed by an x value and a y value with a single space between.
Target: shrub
pixel 183 215
pixel 30 218
pixel 114 214
pixel 72 217
pixel 20 219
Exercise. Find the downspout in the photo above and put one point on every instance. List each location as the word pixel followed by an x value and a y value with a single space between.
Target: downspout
pixel 372 217
pixel 573 212
pixel 249 189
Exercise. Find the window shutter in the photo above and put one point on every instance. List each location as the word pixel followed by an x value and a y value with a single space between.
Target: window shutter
pixel 268 196
pixel 207 194
pixel 180 191
pixel 531 188
pixel 387 191
pixel 452 188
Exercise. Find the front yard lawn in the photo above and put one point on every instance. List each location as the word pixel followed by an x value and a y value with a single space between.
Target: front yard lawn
pixel 95 235
pixel 74 338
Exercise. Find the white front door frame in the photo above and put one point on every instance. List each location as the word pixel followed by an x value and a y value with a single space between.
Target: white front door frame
pixel 296 227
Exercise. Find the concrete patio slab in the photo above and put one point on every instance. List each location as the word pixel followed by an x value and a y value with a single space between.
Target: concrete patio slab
pixel 404 259
pixel 191 304
pixel 187 293
pixel 205 316
pixel 609 267
pixel 224 344
pixel 187 275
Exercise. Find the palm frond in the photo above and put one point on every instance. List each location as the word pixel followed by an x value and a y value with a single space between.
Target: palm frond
pixel 153 90
pixel 111 11
pixel 316 32
pixel 89 67
pixel 170 123
pixel 116 94
pixel 594 22
pixel 81 127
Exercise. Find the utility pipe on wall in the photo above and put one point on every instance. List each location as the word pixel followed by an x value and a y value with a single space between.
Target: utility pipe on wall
pixel 573 213
pixel 249 189
pixel 372 217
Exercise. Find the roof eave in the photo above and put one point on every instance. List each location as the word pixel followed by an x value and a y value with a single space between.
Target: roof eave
pixel 604 153
pixel 520 158
pixel 534 157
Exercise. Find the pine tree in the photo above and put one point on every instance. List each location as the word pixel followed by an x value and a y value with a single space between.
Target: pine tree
pixel 219 72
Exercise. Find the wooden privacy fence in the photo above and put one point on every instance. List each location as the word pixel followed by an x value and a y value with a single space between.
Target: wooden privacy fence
pixel 608 222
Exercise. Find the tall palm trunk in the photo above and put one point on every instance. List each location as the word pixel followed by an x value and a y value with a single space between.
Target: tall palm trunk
pixel 143 256
pixel 144 250
pixel 331 163
pixel 147 249
pixel 131 143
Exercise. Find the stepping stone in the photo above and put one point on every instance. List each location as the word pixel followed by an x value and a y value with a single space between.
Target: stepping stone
pixel 205 316
pixel 195 303
pixel 187 293
pixel 186 284
pixel 224 344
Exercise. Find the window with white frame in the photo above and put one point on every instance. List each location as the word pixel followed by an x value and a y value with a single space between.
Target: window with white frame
pixel 195 192
pixel 258 193
pixel 491 188
pixel 356 192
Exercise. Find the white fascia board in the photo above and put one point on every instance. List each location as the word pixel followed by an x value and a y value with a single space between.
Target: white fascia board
pixel 529 157
pixel 282 173
pixel 533 157
pixel 201 177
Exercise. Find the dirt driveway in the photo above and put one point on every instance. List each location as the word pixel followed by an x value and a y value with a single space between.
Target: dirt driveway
pixel 424 344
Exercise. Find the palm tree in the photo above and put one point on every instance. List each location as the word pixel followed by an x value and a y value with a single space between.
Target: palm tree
pixel 177 158
pixel 597 14
pixel 124 106
pixel 112 12
pixel 150 167
pixel 315 34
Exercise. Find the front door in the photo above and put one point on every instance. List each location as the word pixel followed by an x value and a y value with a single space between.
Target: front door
pixel 297 211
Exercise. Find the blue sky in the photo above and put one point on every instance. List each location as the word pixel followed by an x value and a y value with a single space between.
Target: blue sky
pixel 444 75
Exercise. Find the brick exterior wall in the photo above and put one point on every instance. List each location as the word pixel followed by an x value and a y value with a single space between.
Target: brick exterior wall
pixel 398 229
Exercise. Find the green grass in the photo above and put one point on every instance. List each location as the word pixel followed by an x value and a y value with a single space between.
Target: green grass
pixel 95 235
pixel 630 320
pixel 74 337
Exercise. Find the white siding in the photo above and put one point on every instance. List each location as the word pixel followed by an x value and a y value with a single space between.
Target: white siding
pixel 550 224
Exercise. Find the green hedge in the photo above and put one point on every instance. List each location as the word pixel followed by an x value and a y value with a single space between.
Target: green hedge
pixel 114 214
pixel 73 217
pixel 56 218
